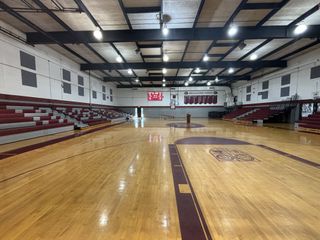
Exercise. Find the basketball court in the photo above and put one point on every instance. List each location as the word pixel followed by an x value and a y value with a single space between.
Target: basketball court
pixel 182 120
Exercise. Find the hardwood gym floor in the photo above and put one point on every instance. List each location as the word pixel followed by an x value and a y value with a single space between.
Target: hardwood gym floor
pixel 128 182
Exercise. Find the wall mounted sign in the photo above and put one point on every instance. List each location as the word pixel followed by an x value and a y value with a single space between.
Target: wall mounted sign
pixel 155 96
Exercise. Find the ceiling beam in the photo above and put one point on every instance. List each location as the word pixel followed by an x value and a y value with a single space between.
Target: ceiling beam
pixel 254 6
pixel 169 85
pixel 142 9
pixel 176 78
pixel 266 32
pixel 174 65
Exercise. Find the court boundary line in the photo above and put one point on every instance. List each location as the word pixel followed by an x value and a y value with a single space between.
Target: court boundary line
pixel 194 226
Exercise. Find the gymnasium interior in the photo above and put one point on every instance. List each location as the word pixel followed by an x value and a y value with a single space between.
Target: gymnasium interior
pixel 159 119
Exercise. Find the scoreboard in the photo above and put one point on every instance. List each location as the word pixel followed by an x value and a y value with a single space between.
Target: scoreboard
pixel 155 96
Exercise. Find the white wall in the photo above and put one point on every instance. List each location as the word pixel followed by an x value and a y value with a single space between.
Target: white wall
pixel 49 65
pixel 300 84
pixel 138 97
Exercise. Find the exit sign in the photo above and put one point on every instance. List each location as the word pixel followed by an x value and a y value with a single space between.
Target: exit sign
pixel 155 96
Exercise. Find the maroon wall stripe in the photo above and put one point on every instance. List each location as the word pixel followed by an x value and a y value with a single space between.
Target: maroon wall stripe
pixel 192 222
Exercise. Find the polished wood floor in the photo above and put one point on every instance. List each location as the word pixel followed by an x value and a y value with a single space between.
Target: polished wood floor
pixel 118 184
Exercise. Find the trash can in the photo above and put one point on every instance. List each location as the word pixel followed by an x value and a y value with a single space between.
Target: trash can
pixel 188 118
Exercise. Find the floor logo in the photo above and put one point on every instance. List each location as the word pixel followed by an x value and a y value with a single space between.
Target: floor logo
pixel 227 154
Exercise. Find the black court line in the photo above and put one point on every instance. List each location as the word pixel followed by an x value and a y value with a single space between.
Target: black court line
pixel 192 222
pixel 299 159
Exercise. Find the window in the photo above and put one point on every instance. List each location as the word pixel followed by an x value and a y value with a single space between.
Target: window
pixel 285 91
pixel 80 91
pixel 80 88
pixel 104 97
pixel 104 89
pixel 94 94
pixel 29 78
pixel 111 99
pixel 110 91
pixel 248 98
pixel 27 60
pixel 66 88
pixel 80 80
pixel 264 95
pixel 285 80
pixel 265 85
pixel 66 75
pixel 248 89
pixel 315 72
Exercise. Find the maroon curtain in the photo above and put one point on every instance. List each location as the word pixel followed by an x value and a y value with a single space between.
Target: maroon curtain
pixel 191 99
pixel 186 99
pixel 196 99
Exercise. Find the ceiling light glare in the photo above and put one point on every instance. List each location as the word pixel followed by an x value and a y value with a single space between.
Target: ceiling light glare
pixel 301 28
pixel 205 58
pixel 231 70
pixel 217 79
pixel 165 58
pixel 165 30
pixel 163 80
pixel 197 70
pixel 186 84
pixel 137 80
pixel 190 79
pixel 163 84
pixel 130 71
pixel 97 34
pixel 253 57
pixel 164 71
pixel 119 59
pixel 233 30
pixel 208 83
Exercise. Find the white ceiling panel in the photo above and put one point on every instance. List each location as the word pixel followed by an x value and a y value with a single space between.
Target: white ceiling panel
pixel 290 48
pixel 193 57
pixel 150 51
pixel 184 71
pixel 141 72
pixel 127 50
pixel 250 17
pixel 238 53
pixel 144 20
pixel 214 71
pixel 107 13
pixel 106 51
pixel 182 13
pixel 216 12
pixel 85 52
pixel 76 21
pixel 291 11
pixel 313 19
pixel 66 53
pixel 269 47
pixel 219 50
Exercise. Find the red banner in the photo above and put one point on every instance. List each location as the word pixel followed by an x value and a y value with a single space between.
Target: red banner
pixel 155 96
